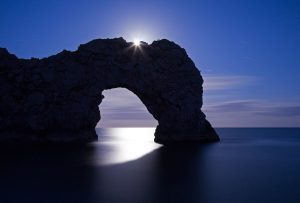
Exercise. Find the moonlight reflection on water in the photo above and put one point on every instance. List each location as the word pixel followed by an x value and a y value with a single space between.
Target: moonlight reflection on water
pixel 119 145
pixel 125 165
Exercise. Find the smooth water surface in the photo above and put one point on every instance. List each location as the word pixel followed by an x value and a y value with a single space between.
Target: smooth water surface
pixel 125 165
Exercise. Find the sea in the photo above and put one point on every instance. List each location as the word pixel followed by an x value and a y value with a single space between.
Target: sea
pixel 248 165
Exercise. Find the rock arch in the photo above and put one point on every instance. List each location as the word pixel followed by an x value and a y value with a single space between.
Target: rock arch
pixel 57 98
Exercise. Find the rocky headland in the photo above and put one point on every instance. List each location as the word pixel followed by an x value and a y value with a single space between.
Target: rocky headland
pixel 56 99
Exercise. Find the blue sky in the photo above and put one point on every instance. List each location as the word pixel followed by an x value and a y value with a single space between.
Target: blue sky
pixel 247 50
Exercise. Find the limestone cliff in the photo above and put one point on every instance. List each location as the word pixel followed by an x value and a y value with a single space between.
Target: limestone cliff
pixel 56 99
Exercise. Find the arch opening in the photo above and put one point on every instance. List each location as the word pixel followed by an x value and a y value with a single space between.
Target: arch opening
pixel 125 129
pixel 120 107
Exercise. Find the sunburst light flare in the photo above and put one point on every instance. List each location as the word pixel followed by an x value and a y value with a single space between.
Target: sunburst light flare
pixel 136 42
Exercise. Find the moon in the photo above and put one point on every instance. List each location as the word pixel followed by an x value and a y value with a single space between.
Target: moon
pixel 136 42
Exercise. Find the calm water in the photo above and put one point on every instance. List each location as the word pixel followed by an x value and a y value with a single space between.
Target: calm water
pixel 248 165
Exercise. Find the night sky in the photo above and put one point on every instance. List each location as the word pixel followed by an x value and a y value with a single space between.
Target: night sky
pixel 248 51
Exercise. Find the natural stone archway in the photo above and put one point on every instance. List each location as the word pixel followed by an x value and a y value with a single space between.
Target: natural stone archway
pixel 57 98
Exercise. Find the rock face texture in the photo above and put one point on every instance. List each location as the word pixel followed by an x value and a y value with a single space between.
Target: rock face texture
pixel 56 99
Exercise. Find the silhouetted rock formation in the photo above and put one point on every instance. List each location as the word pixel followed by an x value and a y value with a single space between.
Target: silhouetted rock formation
pixel 56 99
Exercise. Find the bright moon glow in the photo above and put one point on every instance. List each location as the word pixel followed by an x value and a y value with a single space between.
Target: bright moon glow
pixel 136 42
